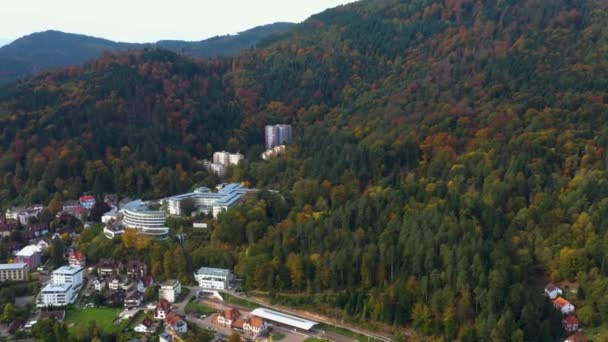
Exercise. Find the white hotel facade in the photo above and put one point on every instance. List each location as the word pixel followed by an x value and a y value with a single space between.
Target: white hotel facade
pixel 56 295
pixel 213 278
pixel 73 275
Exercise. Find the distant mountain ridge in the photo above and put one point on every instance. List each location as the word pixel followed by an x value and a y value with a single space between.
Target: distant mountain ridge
pixel 50 49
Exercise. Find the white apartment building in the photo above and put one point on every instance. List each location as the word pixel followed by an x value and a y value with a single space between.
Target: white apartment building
pixel 72 275
pixel 226 158
pixel 170 290
pixel 14 272
pixel 137 215
pixel 56 295
pixel 213 278
pixel 24 215
pixel 277 135
pixel 206 201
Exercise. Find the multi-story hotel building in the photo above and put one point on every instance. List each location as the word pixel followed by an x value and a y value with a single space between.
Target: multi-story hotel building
pixel 137 215
pixel 206 201
pixel 56 295
pixel 226 158
pixel 14 272
pixel 72 275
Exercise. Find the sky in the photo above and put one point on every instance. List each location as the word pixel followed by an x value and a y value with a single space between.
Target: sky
pixel 151 20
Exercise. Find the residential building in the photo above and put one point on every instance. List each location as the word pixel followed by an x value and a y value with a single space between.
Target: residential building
pixel 254 326
pixel 57 315
pixel 99 284
pixel 218 169
pixel 213 278
pixel 176 322
pixel 570 324
pixel 43 246
pixel 134 299
pixel 563 305
pixel 30 255
pixel 113 229
pixel 112 215
pixel 87 201
pixel 7 227
pixel 14 272
pixel 77 258
pixel 165 337
pixel 136 269
pixel 73 275
pixel 273 152
pixel 162 309
pixel 228 316
pixel 137 215
pixel 36 230
pixel 227 159
pixel 146 326
pixel 109 266
pixel 24 215
pixel 206 201
pixel 56 295
pixel 277 135
pixel 118 282
pixel 552 291
pixel 144 283
pixel 170 290
pixel 70 206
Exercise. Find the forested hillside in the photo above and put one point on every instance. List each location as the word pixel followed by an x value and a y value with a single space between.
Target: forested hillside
pixel 51 49
pixel 450 158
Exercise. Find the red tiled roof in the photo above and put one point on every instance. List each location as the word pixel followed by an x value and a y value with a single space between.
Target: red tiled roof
pixel 560 302
pixel 256 321
pixel 571 320
pixel 164 304
pixel 87 198
pixel 78 255
pixel 578 337
pixel 231 313
pixel 172 319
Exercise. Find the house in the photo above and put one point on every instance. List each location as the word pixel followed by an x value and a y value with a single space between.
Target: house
pixel 134 299
pixel 170 290
pixel 43 246
pixel 563 305
pixel 146 326
pixel 144 283
pixel 118 282
pixel 165 337
pixel 162 309
pixel 552 291
pixel 36 230
pixel 7 227
pixel 570 324
pixel 114 298
pixel 108 267
pixel 136 269
pixel 176 322
pixel 99 284
pixel 30 255
pixel 87 201
pixel 227 317
pixel 77 258
pixel 578 337
pixel 70 206
pixel 254 326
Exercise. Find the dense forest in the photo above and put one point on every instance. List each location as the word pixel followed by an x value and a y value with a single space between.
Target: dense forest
pixel 40 51
pixel 450 159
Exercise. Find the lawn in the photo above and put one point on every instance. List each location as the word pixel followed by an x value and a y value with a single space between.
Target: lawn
pixel 315 339
pixel 277 337
pixel 199 308
pixel 103 317
pixel 229 299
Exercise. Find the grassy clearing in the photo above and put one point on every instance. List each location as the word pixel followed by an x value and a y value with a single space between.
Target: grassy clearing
pixel 315 339
pixel 103 317
pixel 229 299
pixel 277 337
pixel 345 332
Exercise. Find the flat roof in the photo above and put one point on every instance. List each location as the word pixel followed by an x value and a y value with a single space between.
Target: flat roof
pixel 28 251
pixel 284 318
pixel 15 266
pixel 214 271
pixel 56 287
pixel 68 270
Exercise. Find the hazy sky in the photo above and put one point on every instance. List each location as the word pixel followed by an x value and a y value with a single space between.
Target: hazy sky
pixel 151 20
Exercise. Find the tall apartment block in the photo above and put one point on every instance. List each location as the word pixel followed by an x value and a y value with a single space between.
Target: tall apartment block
pixel 277 135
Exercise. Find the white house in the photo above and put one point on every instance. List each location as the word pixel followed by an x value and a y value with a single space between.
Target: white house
pixel 72 275
pixel 254 326
pixel 99 284
pixel 162 309
pixel 170 290
pixel 176 322
pixel 563 305
pixel 146 326
pixel 213 278
pixel 552 291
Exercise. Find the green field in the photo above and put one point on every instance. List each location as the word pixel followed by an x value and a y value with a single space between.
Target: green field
pixel 229 299
pixel 315 339
pixel 277 337
pixel 199 308
pixel 103 317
